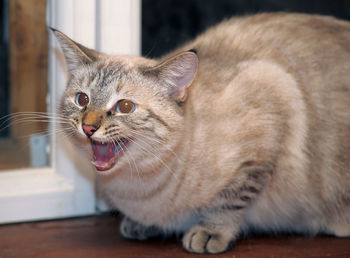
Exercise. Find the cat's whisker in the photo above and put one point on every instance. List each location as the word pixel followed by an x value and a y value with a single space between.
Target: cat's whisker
pixel 149 138
pixel 61 131
pixel 65 124
pixel 115 143
pixel 23 117
pixel 135 165
pixel 147 150
pixel 30 115
pixel 149 145
pixel 55 131
pixel 34 113
pixel 26 121
pixel 9 117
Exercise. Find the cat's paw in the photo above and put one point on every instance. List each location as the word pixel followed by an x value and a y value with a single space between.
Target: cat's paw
pixel 200 239
pixel 133 230
pixel 340 229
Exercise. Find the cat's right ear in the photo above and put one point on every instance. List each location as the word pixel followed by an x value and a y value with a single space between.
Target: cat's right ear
pixel 177 74
pixel 75 54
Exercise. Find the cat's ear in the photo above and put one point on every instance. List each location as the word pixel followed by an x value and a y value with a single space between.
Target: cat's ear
pixel 74 53
pixel 178 73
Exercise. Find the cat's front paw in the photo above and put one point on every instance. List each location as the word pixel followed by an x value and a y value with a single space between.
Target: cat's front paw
pixel 134 230
pixel 200 239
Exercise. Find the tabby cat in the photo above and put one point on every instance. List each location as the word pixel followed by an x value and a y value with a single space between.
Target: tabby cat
pixel 245 128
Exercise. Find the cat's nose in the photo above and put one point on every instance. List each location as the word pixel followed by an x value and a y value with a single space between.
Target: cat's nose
pixel 89 130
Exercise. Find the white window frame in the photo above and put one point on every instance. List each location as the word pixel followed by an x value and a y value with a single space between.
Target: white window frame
pixel 68 187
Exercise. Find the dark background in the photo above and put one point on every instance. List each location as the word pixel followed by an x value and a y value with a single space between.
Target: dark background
pixel 167 24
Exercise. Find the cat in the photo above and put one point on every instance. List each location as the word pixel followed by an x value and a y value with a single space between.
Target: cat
pixel 247 127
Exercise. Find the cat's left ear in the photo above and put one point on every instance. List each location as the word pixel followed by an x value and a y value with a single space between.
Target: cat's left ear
pixel 75 54
pixel 178 73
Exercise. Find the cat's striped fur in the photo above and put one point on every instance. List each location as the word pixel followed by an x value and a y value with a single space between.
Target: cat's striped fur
pixel 250 130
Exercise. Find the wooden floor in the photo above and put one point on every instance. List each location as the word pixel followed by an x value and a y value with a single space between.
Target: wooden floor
pixel 99 237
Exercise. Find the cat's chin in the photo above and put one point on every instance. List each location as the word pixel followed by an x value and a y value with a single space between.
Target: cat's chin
pixel 107 154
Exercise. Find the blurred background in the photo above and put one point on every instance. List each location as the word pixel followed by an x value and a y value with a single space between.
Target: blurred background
pixel 23 81
pixel 166 24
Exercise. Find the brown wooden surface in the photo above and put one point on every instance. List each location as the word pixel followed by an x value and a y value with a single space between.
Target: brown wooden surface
pixel 13 154
pixel 28 59
pixel 28 46
pixel 99 237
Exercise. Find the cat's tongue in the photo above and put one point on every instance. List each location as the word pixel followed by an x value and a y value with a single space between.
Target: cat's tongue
pixel 105 155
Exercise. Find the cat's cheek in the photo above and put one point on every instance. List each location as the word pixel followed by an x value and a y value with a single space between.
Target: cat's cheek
pixel 79 145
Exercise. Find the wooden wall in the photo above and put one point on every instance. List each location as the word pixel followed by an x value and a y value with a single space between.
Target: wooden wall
pixel 28 46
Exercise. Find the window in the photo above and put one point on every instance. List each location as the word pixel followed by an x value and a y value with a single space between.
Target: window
pixel 67 187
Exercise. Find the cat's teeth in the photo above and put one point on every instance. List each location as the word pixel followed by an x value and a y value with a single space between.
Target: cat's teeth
pixel 105 155
pixel 103 165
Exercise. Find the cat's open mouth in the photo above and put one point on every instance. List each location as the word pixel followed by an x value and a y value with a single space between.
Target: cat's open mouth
pixel 106 155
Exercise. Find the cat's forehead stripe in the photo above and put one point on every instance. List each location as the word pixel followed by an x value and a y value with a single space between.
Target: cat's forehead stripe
pixel 106 73
pixel 119 86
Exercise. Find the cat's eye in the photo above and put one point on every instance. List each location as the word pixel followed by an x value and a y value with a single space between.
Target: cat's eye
pixel 81 99
pixel 125 106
